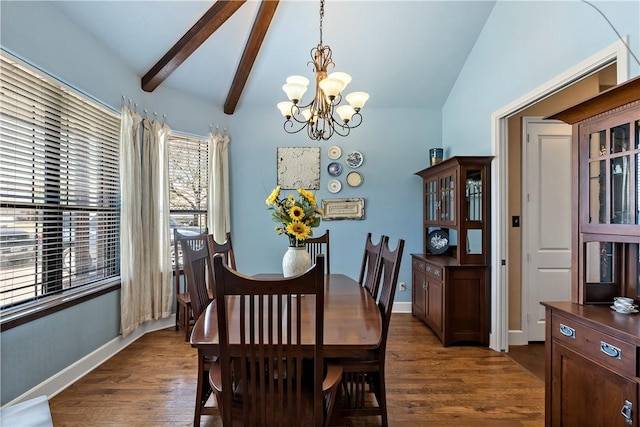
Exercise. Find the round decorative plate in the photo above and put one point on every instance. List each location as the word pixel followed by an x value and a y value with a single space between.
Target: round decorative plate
pixel 334 169
pixel 334 152
pixel 354 179
pixel 354 159
pixel 438 242
pixel 334 186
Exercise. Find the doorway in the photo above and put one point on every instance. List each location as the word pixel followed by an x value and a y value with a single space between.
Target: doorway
pixel 546 219
pixel 507 326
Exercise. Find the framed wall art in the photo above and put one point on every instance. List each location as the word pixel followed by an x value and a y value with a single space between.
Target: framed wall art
pixel 343 209
pixel 299 167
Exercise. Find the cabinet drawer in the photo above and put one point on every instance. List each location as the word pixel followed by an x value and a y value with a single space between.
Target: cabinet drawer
pixel 417 265
pixel 598 346
pixel 434 271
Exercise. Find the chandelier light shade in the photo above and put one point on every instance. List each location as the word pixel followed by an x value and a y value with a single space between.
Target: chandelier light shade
pixel 323 116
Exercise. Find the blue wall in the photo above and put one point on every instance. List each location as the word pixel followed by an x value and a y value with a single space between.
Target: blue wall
pixel 523 45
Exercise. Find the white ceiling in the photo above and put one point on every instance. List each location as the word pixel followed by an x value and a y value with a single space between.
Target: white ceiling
pixel 404 53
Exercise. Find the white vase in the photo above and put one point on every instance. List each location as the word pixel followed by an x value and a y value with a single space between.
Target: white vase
pixel 295 261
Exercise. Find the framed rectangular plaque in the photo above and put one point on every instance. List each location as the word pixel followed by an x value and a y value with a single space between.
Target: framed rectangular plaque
pixel 342 209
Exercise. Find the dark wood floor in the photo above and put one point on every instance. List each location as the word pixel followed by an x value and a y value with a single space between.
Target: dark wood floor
pixel 152 383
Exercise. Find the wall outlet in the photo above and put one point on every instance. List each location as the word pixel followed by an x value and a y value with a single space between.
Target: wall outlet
pixel 403 286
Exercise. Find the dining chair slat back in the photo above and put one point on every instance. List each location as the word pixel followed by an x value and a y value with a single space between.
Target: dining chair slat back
pixel 267 375
pixel 184 315
pixel 370 267
pixel 362 375
pixel 320 245
pixel 199 277
pixel 195 253
pixel 226 249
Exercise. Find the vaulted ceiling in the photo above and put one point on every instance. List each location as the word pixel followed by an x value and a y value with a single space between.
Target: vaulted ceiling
pixel 237 54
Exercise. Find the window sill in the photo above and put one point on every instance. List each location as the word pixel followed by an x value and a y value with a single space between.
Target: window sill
pixel 38 309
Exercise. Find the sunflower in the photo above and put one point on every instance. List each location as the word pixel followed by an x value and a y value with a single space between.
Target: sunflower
pixel 311 198
pixel 296 213
pixel 298 229
pixel 271 200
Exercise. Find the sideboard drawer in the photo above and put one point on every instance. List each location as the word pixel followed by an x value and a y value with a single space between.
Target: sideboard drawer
pixel 605 349
pixel 433 270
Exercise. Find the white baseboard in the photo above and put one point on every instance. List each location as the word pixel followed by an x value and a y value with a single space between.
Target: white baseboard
pixel 401 307
pixel 72 373
pixel 517 337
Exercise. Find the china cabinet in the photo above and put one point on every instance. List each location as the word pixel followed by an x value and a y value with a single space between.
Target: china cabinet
pixel 592 351
pixel 450 278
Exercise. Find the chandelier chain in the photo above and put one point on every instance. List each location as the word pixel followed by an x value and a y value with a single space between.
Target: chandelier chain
pixel 321 18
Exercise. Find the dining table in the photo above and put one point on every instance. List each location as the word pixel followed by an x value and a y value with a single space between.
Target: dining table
pixel 352 320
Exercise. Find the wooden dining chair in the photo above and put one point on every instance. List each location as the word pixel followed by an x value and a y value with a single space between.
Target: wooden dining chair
pixel 225 248
pixel 319 245
pixel 269 375
pixel 199 278
pixel 367 375
pixel 370 267
pixel 184 315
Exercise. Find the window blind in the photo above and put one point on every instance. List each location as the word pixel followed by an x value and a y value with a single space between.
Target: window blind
pixel 188 178
pixel 59 187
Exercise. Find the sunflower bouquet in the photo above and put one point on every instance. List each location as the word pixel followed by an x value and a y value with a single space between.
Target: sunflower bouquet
pixel 296 218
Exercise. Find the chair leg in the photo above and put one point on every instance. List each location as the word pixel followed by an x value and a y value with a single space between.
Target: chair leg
pixel 186 321
pixel 381 396
pixel 203 391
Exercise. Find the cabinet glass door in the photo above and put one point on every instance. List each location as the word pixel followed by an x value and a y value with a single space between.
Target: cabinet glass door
pixel 474 195
pixel 614 181
pixel 635 167
pixel 448 199
pixel 431 201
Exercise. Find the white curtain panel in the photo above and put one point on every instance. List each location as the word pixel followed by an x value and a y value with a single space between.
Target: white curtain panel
pixel 157 280
pixel 130 219
pixel 145 265
pixel 218 197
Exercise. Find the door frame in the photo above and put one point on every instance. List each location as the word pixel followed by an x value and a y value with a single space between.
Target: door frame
pixel 615 53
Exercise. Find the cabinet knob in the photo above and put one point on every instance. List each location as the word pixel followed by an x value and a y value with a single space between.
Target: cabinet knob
pixel 627 412
pixel 611 350
pixel 567 331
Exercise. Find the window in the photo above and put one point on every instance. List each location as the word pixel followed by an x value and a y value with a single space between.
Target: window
pixel 188 178
pixel 59 188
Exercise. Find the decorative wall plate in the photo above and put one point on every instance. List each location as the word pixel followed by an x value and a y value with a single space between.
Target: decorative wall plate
pixel 438 242
pixel 334 186
pixel 334 169
pixel 354 179
pixel 354 159
pixel 334 152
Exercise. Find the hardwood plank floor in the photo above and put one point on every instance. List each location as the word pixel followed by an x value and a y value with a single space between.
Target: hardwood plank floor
pixel 152 383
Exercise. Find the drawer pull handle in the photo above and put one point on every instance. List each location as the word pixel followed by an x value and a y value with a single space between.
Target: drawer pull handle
pixel 610 350
pixel 627 412
pixel 567 331
pixel 437 272
pixel 428 268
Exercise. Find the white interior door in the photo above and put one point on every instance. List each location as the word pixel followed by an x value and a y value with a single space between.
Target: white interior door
pixel 546 266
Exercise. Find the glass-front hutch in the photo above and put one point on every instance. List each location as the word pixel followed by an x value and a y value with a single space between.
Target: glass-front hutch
pixel 592 349
pixel 450 278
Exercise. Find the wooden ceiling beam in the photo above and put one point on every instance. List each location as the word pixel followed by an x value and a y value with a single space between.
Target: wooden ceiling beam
pixel 258 32
pixel 192 40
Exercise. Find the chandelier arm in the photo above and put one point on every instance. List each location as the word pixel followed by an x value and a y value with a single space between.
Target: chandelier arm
pixel 291 124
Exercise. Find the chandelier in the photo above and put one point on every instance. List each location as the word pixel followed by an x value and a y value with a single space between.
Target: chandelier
pixel 323 116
